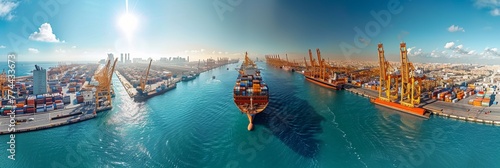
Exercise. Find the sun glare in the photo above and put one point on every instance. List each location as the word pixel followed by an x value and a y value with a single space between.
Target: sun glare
pixel 128 23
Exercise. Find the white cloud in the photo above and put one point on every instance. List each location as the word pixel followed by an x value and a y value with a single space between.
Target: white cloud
pixel 364 41
pixel 454 28
pixel 495 12
pixel 6 8
pixel 33 50
pixel 487 3
pixel 45 34
pixel 60 51
pixel 494 5
pixel 449 45
pixel 458 50
pixel 2 46
pixel 409 49
pixel 415 53
pixel 73 47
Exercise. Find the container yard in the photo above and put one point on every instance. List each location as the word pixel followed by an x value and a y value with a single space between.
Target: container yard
pixel 58 96
pixel 406 88
pixel 146 80
pixel 472 101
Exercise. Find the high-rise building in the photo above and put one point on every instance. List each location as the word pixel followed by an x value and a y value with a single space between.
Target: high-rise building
pixel 39 80
pixel 111 57
pixel 121 58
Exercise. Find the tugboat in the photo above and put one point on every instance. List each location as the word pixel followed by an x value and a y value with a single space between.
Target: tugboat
pixel 251 94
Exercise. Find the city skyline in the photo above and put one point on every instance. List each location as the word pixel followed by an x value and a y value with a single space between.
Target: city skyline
pixel 443 31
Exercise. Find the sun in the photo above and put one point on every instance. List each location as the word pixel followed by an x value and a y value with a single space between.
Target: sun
pixel 128 23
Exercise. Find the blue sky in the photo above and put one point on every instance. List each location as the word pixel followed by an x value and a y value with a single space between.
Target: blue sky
pixel 435 31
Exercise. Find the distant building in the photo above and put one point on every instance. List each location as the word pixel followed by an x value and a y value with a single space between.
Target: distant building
pixel 137 60
pixel 121 58
pixel 111 57
pixel 177 60
pixel 39 80
pixel 210 62
pixel 164 59
pixel 102 61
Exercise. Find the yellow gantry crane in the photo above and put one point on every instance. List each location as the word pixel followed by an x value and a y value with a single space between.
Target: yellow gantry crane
pixel 410 83
pixel 247 62
pixel 142 85
pixel 103 90
pixel 388 89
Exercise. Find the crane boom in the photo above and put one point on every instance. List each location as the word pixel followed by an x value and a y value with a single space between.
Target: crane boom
pixel 321 64
pixel 143 82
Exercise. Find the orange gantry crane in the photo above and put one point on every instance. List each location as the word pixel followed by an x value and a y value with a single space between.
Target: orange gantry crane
pixel 144 79
pixel 388 89
pixel 4 86
pixel 389 84
pixel 411 84
pixel 276 61
pixel 103 90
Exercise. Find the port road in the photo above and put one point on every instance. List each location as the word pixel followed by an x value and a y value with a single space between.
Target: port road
pixel 46 118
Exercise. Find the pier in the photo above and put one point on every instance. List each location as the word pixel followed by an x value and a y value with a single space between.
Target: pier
pixel 459 111
pixel 45 120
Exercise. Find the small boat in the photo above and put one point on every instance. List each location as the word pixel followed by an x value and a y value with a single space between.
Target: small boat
pixel 187 78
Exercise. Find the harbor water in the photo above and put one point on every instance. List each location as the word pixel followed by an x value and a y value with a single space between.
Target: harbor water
pixel 305 125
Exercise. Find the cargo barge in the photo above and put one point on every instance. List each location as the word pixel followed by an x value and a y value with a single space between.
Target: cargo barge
pixel 321 73
pixel 250 94
pixel 328 84
pixel 158 91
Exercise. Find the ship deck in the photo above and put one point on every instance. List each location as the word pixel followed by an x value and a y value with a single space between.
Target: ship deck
pixel 323 83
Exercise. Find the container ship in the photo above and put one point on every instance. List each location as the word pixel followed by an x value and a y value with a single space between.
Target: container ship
pixel 251 94
pixel 322 74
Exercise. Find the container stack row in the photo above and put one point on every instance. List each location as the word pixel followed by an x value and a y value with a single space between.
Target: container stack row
pixel 248 85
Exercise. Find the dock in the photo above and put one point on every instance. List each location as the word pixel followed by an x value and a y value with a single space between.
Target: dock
pixel 131 91
pixel 458 111
pixel 45 120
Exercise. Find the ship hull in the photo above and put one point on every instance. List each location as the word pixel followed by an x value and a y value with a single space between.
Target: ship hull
pixel 323 83
pixel 420 112
pixel 188 79
pixel 141 98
